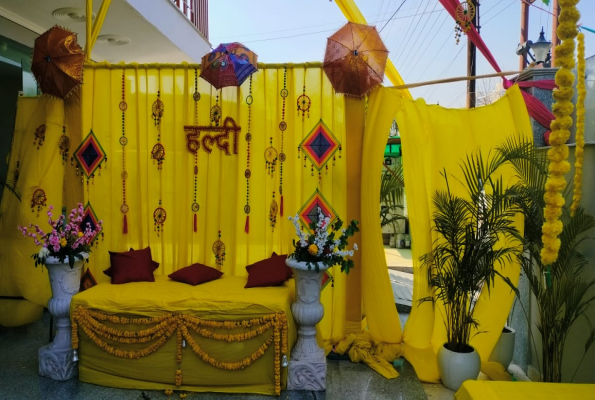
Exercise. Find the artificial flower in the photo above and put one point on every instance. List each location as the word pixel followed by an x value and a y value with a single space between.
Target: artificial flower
pixel 327 244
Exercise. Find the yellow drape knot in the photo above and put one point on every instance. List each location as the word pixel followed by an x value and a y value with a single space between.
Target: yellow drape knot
pixel 376 355
pixel 495 371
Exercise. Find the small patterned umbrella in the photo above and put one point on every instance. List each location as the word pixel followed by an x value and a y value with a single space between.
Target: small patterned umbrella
pixel 57 62
pixel 228 65
pixel 355 59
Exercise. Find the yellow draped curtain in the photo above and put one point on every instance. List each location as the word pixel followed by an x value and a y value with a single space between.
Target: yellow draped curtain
pixel 32 167
pixel 433 138
pixel 221 183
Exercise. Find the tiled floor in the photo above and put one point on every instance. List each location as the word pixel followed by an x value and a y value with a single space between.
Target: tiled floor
pixel 19 377
pixel 398 258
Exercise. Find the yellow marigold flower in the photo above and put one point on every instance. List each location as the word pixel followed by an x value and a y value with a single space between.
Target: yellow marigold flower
pixel 63 242
pixel 313 249
pixel 81 234
pixel 169 392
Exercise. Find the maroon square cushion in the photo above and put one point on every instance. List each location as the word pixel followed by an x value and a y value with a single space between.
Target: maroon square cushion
pixel 268 272
pixel 131 266
pixel 195 274
pixel 281 258
pixel 155 264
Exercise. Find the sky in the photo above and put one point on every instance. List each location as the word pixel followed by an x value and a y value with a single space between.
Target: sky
pixel 419 37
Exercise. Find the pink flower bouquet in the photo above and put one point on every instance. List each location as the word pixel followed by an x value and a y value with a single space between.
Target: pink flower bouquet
pixel 65 240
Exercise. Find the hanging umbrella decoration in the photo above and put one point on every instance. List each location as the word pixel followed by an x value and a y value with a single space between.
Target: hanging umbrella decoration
pixel 57 63
pixel 355 59
pixel 230 64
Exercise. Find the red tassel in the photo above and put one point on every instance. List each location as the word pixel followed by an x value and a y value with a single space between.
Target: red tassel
pixel 125 229
pixel 195 223
pixel 247 226
pixel 281 205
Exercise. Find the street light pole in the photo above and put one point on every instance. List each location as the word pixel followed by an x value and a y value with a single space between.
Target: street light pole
pixel 524 32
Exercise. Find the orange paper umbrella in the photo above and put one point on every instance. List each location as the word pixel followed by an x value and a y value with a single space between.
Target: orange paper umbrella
pixel 355 58
pixel 57 62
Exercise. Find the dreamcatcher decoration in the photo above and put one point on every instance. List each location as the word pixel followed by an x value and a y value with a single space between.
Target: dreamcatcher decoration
pixel 158 151
pixel 123 142
pixel 282 128
pixel 64 145
pixel 89 156
pixel 271 156
pixel 320 146
pixel 219 251
pixel 247 172
pixel 273 211
pixel 464 16
pixel 216 112
pixel 192 145
pixel 39 136
pixel 303 102
pixel 38 200
pixel 159 217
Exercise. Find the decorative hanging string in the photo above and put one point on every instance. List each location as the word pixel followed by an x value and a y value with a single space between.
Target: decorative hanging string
pixel 248 173
pixel 158 154
pixel 219 251
pixel 216 112
pixel 273 210
pixel 303 102
pixel 123 142
pixel 194 149
pixel 90 154
pixel 558 153
pixel 218 246
pixel 282 128
pixel 64 143
pixel 580 125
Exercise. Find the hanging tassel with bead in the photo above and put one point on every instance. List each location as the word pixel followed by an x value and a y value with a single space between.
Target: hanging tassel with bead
pixel 195 222
pixel 281 206
pixel 247 226
pixel 125 228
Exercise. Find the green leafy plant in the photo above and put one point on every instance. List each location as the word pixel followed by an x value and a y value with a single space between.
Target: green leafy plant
pixel 475 235
pixel 392 196
pixel 562 292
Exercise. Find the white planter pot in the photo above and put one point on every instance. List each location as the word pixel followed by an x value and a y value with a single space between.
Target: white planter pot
pixel 307 366
pixel 455 368
pixel 56 360
pixel 504 349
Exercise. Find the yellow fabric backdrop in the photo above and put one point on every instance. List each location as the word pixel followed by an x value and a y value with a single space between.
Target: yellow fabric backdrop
pixel 221 183
pixel 433 138
pixel 38 169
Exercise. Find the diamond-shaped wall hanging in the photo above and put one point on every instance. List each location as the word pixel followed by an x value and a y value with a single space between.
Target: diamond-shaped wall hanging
pixel 326 279
pixel 90 218
pixel 319 146
pixel 309 211
pixel 90 155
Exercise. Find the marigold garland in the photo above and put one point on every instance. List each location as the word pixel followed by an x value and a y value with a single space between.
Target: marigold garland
pixel 580 125
pixel 164 328
pixel 558 154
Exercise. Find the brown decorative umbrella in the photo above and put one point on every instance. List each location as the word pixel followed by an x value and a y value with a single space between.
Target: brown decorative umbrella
pixel 355 58
pixel 57 62
pixel 230 64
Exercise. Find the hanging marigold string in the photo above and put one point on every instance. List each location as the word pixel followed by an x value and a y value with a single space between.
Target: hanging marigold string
pixel 560 127
pixel 123 142
pixel 166 325
pixel 248 173
pixel 579 152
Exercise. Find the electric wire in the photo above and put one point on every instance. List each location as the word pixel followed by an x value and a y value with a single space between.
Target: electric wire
pixel 501 11
pixel 446 18
pixel 409 31
pixel 406 58
pixel 403 59
pixel 391 18
pixel 431 90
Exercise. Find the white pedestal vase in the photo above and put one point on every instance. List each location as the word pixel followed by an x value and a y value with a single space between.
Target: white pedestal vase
pixel 56 359
pixel 307 366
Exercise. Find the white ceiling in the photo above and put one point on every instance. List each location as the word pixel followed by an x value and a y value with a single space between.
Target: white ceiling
pixel 147 43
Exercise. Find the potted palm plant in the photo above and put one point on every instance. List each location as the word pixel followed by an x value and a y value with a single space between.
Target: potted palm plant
pixel 392 198
pixel 562 292
pixel 475 235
